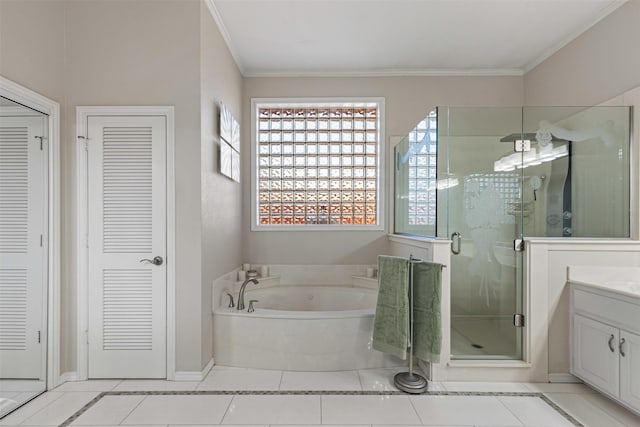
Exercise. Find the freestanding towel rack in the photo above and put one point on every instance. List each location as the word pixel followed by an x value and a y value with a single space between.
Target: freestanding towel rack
pixel 410 382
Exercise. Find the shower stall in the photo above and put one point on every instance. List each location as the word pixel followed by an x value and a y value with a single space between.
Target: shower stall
pixel 486 178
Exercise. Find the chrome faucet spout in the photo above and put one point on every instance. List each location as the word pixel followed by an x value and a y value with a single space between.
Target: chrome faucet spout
pixel 240 305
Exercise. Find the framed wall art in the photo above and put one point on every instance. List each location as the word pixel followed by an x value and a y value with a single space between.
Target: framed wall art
pixel 229 144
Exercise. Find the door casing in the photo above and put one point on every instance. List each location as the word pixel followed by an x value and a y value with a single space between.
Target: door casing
pixel 82 113
pixel 34 100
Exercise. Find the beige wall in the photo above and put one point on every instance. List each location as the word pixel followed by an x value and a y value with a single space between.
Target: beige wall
pixel 124 52
pixel 600 64
pixel 221 198
pixel 111 59
pixel 407 101
pixel 31 40
pixel 98 53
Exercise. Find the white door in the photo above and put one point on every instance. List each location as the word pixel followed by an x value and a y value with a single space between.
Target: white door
pixel 630 369
pixel 23 172
pixel 595 353
pixel 127 231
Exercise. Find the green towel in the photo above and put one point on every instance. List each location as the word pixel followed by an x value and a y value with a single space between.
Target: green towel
pixel 427 326
pixel 391 323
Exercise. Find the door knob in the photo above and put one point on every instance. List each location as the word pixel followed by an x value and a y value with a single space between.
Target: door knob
pixel 155 261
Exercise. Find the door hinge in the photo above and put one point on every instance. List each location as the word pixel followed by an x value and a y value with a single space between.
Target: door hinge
pixel 521 145
pixel 40 138
pixel 518 320
pixel 86 335
pixel 39 337
pixel 518 245
pixel 83 140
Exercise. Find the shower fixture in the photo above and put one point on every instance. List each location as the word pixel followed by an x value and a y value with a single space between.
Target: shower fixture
pixel 533 157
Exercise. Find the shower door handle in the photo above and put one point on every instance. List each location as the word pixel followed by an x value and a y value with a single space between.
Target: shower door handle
pixel 456 243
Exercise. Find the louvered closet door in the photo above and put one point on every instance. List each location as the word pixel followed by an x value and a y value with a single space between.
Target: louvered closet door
pixel 127 224
pixel 22 258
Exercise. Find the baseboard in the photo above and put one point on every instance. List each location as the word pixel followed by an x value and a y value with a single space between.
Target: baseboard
pixel 563 378
pixel 194 375
pixel 67 376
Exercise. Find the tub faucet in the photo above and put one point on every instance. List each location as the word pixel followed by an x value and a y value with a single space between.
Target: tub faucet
pixel 240 305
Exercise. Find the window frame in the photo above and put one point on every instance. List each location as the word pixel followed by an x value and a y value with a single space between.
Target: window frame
pixel 380 225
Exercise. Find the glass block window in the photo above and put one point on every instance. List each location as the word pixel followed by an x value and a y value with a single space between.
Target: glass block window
pixel 317 164
pixel 422 150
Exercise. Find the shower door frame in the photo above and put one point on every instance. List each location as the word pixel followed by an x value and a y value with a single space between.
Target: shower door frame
pixel 520 346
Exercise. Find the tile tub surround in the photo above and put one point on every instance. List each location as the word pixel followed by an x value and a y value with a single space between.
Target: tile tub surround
pixel 289 274
pixel 278 337
pixel 327 328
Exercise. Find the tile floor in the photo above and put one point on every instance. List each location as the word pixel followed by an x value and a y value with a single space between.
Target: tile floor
pixel 229 396
pixel 14 393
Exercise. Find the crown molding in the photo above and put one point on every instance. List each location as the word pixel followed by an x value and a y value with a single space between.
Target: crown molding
pixel 430 72
pixel 225 34
pixel 480 72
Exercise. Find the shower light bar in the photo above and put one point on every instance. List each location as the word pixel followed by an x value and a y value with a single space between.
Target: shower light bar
pixel 536 156
pixel 443 184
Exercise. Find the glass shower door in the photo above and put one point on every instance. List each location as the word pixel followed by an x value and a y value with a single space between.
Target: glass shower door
pixel 480 208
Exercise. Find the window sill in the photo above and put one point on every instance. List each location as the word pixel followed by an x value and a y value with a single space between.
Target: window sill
pixel 312 227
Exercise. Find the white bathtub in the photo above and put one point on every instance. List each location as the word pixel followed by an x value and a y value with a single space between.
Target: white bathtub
pixel 300 328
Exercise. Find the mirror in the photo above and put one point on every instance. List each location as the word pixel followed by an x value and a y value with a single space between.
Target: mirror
pixel 23 254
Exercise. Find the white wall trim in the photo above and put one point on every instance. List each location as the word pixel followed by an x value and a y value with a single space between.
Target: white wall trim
pixel 82 113
pixel 68 376
pixel 194 375
pixel 18 111
pixel 215 14
pixel 428 72
pixel 31 99
pixel 564 378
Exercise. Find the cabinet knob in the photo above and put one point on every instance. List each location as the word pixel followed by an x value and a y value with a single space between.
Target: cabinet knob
pixel 611 343
pixel 620 347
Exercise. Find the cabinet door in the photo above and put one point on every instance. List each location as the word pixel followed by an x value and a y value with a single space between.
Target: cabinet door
pixel 595 354
pixel 630 369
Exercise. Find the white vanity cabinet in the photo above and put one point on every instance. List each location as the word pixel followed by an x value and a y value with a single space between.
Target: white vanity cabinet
pixel 595 359
pixel 605 339
pixel 630 369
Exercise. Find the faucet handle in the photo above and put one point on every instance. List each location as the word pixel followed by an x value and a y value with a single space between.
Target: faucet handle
pixel 251 308
pixel 231 303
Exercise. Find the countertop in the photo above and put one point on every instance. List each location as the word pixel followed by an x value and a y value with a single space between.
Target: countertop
pixel 620 280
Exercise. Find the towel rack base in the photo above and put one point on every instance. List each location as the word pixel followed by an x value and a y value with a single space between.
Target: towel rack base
pixel 410 382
